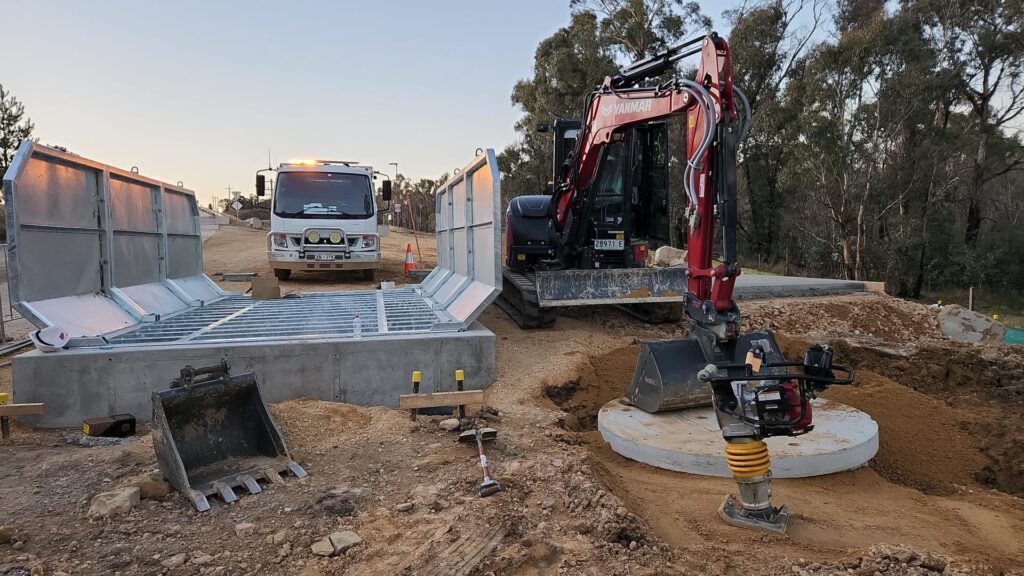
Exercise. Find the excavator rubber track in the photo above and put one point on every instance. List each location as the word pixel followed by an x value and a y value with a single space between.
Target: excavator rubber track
pixel 519 300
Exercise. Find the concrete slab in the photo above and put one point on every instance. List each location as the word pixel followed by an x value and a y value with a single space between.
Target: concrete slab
pixel 689 440
pixel 755 286
pixel 81 383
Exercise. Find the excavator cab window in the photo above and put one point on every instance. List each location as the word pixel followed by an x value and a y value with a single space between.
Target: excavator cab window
pixel 608 198
pixel 649 202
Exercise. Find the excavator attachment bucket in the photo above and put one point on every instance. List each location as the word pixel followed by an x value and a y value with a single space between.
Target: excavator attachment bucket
pixel 666 376
pixel 666 371
pixel 212 433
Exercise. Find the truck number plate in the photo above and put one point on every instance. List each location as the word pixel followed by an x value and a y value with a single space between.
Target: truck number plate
pixel 608 244
pixel 324 257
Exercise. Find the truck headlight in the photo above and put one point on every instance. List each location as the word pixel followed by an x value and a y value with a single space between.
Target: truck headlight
pixel 335 237
pixel 312 236
pixel 369 241
pixel 280 240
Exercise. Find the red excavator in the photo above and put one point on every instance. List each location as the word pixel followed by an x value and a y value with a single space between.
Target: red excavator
pixel 587 243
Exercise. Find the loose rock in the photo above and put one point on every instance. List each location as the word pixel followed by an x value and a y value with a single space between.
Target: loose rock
pixel 245 529
pixel 342 541
pixel 119 501
pixel 449 424
pixel 404 507
pixel 175 561
pixel 150 485
pixel 322 547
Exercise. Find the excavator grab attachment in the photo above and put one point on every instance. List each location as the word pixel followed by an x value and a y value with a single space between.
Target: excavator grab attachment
pixel 212 432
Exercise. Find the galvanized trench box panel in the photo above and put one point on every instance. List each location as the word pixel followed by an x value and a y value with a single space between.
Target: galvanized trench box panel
pixel 466 210
pixel 96 249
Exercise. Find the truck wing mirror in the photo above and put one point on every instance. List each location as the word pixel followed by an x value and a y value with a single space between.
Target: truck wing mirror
pixel 385 191
pixel 261 185
pixel 543 127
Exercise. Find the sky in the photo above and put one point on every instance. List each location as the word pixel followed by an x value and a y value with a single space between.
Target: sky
pixel 198 91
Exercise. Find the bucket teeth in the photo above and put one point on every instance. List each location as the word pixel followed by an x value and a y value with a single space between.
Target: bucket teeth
pixel 226 493
pixel 296 470
pixel 251 485
pixel 200 501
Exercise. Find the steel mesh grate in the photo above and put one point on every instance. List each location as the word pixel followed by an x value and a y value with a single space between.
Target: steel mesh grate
pixel 317 315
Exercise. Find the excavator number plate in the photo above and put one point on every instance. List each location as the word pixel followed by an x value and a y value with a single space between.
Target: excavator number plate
pixel 609 244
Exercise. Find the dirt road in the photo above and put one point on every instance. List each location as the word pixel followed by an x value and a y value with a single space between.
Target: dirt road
pixel 942 484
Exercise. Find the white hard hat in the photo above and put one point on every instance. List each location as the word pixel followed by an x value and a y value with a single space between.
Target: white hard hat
pixel 49 339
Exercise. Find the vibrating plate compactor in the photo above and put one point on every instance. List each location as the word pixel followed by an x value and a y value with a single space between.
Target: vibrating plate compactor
pixel 212 433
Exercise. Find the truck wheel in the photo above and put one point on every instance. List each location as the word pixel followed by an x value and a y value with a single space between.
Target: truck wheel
pixel 282 273
pixel 369 274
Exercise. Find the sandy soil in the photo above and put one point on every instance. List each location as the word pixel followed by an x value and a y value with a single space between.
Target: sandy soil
pixel 942 496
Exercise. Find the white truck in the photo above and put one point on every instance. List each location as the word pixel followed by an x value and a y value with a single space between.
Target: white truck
pixel 323 216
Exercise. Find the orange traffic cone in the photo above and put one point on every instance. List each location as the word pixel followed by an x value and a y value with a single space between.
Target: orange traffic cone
pixel 409 263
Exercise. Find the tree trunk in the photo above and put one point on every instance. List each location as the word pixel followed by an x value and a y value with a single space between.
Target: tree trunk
pixel 974 195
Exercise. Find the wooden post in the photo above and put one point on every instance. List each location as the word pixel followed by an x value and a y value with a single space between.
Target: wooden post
pixel 970 298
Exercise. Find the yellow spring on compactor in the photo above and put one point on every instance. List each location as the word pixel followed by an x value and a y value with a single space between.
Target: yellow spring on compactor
pixel 747 459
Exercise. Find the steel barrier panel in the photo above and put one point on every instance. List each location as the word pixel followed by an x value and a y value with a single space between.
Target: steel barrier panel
pixel 467 234
pixel 95 249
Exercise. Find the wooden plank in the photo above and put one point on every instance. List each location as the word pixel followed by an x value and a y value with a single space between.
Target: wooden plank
pixel 874 287
pixel 436 399
pixel 22 409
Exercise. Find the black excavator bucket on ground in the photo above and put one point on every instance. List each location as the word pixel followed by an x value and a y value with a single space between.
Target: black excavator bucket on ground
pixel 212 432
pixel 665 377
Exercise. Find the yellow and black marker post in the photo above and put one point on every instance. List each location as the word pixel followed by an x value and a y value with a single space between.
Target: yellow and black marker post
pixel 417 377
pixel 460 378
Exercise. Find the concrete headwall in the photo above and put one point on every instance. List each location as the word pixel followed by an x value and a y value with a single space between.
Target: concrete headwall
pixel 84 383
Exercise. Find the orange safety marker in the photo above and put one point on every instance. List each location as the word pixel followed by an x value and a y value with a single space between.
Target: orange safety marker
pixel 409 263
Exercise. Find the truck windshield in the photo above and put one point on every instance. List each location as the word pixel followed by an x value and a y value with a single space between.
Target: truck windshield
pixel 323 195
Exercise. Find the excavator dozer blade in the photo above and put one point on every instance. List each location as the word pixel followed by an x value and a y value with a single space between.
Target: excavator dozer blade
pixel 217 435
pixel 665 377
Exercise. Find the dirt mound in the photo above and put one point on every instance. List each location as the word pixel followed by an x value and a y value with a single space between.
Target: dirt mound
pixel 597 381
pixel 922 442
pixel 978 389
pixel 877 316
